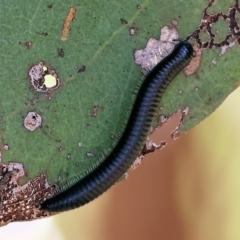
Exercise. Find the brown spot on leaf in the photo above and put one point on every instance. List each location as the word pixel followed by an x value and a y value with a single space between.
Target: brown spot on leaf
pixel 66 26
pixel 21 203
pixel 195 63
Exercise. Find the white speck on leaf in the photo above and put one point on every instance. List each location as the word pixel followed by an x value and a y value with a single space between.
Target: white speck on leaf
pixel 156 50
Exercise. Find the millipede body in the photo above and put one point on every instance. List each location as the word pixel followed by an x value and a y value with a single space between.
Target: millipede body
pixel 133 138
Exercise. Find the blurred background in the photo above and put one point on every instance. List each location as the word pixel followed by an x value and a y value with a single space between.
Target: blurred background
pixel 190 190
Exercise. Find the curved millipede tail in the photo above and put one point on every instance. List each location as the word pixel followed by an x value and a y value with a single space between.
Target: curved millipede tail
pixel 133 138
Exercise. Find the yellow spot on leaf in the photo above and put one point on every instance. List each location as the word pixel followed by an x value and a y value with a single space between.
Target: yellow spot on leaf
pixel 66 26
pixel 50 81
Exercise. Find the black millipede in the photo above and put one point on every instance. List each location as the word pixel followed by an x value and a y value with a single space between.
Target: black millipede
pixel 134 137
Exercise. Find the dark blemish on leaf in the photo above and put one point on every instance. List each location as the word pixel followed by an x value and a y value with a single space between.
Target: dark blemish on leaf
pixel 209 101
pixel 45 34
pixel 138 7
pixel 60 52
pixel 82 69
pixel 50 5
pixel 123 21
pixel 60 149
pixel 27 44
pixel 196 75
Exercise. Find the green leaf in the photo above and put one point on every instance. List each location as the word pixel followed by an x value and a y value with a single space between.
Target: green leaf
pixel 90 48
